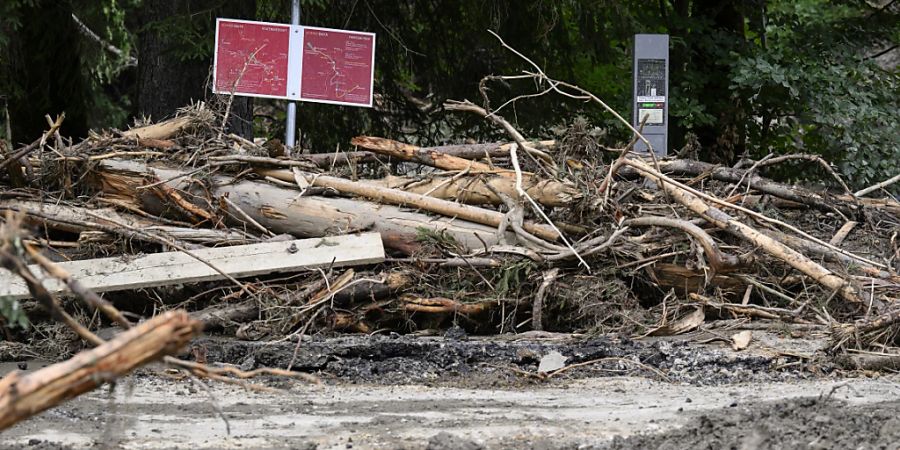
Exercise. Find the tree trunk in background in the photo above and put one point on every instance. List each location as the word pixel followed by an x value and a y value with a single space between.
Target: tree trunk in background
pixel 167 80
pixel 45 65
pixel 723 140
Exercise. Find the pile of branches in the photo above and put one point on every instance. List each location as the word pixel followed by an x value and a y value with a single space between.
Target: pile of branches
pixel 563 235
pixel 504 237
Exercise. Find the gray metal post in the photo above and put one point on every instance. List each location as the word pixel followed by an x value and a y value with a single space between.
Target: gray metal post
pixel 290 135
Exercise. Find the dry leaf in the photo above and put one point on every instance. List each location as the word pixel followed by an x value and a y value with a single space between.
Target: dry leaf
pixel 741 340
pixel 685 324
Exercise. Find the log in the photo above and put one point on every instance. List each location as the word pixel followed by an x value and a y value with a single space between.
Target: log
pixel 162 130
pixel 78 219
pixel 433 158
pixel 443 207
pixel 771 246
pixel 22 396
pixel 478 189
pixel 281 210
pixel 370 291
pixel 467 151
pixel 686 167
pixel 220 316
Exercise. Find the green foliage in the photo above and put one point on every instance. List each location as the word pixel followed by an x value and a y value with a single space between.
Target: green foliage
pixel 12 313
pixel 813 89
pixel 512 278
pixel 754 76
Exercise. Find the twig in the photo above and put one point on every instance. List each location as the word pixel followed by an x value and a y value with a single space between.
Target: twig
pixel 513 156
pixel 537 304
pixel 36 144
pixel 80 291
pixel 881 185
pixel 237 80
pixel 585 95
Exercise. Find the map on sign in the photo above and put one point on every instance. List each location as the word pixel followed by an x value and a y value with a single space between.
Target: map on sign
pixel 337 66
pixel 294 62
pixel 251 58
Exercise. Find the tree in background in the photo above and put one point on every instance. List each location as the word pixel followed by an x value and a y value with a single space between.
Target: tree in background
pixel 175 48
pixel 749 77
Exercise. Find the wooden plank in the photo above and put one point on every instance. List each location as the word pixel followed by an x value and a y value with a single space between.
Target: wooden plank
pixel 160 269
pixel 843 232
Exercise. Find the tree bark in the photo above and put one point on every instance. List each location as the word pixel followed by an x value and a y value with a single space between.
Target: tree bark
pixel 169 79
pixel 22 396
pixel 281 210
pixel 470 189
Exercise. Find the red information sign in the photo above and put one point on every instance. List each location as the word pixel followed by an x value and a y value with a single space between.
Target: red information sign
pixel 337 66
pixel 294 62
pixel 251 58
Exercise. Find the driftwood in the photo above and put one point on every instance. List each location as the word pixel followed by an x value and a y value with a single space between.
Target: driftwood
pixel 842 203
pixel 439 206
pixel 467 151
pixel 775 248
pixel 285 211
pixel 78 219
pixel 547 192
pixel 22 396
pixel 162 130
pixel 223 315
pixel 473 189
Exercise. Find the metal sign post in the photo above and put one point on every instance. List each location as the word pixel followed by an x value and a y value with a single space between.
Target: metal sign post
pixel 290 133
pixel 651 87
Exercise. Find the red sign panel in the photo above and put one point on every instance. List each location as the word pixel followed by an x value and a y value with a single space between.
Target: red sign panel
pixel 337 66
pixel 294 62
pixel 251 58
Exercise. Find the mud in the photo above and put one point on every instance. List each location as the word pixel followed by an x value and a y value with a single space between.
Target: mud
pixel 493 361
pixel 472 393
pixel 811 423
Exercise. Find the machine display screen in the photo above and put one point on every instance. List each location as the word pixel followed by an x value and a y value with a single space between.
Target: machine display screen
pixel 651 82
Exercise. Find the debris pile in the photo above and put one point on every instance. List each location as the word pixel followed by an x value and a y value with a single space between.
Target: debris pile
pixel 561 235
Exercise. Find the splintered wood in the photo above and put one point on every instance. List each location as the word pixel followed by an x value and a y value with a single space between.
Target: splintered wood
pixel 23 395
pixel 162 269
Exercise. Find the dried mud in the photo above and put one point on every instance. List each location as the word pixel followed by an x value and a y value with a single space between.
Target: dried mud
pixel 476 393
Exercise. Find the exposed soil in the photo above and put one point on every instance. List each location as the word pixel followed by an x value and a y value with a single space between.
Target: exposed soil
pixel 810 423
pixel 480 393
pixel 459 360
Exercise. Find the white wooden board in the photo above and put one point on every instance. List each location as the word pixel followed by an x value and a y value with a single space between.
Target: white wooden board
pixel 160 269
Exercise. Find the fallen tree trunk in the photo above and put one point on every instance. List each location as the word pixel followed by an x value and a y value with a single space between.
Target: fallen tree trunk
pixel 470 189
pixel 284 211
pixel 843 204
pixel 76 219
pixel 443 207
pixel 724 221
pixel 467 151
pixel 22 396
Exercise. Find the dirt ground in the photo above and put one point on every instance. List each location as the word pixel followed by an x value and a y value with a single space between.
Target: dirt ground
pixel 456 392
